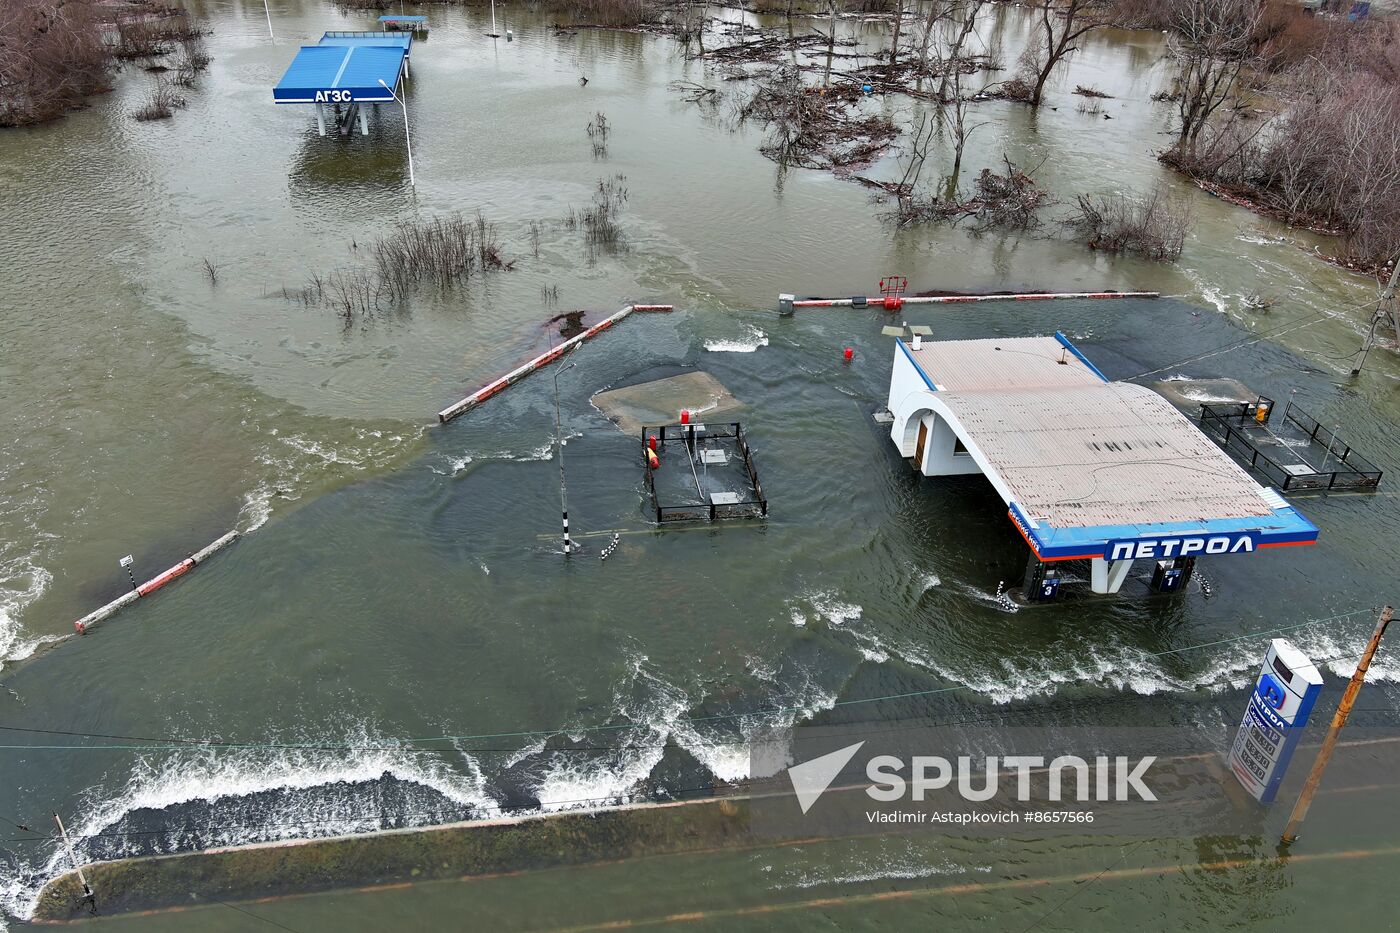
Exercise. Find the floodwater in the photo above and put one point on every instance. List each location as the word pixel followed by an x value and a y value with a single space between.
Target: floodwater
pixel 403 580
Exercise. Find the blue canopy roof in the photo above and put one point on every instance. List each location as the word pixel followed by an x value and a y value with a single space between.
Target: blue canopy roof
pixel 392 18
pixel 341 74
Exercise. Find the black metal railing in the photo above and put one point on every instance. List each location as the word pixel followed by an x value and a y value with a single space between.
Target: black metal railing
pixel 1227 425
pixel 754 507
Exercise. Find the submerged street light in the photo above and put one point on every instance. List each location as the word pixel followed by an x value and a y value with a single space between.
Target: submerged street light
pixel 409 142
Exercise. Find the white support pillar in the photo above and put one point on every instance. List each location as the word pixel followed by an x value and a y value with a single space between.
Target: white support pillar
pixel 321 118
pixel 364 120
pixel 1108 575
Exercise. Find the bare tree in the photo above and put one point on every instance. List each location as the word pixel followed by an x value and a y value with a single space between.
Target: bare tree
pixel 969 10
pixel 1213 45
pixel 961 131
pixel 832 7
pixel 898 25
pixel 919 143
pixel 1058 26
pixel 937 11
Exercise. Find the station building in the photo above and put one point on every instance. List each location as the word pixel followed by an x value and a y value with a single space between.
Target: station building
pixel 1089 469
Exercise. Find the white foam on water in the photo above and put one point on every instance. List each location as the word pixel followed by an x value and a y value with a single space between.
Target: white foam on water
pixel 582 781
pixel 313 448
pixel 894 869
pixel 870 646
pixel 1200 395
pixel 456 463
pixel 211 775
pixel 834 610
pixel 22 581
pixel 1208 293
pixel 297 461
pixel 748 343
pixel 726 745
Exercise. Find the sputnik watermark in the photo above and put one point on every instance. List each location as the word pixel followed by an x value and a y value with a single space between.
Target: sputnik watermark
pixel 892 779
pixel 1160 781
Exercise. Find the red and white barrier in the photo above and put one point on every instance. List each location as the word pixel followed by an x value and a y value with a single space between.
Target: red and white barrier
pixel 893 303
pixel 544 359
pixel 153 584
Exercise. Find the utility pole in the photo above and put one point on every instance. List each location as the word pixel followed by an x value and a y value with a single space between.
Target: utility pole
pixel 1384 314
pixel 1339 719
pixel 88 897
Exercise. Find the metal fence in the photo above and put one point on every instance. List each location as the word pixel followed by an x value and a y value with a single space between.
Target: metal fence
pixel 1229 425
pixel 755 506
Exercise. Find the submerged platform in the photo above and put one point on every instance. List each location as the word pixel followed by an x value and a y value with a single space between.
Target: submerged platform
pixel 1294 451
pixel 1089 468
pixel 701 473
pixel 401 23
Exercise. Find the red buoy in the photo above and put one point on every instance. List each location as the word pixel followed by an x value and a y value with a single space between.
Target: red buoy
pixel 685 416
pixel 651 442
pixel 850 354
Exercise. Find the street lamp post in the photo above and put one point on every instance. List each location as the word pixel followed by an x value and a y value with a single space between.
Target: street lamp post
pixel 268 11
pixel 406 139
pixel 559 446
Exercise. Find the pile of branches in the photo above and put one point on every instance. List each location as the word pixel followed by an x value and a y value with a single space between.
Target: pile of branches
pixel 908 75
pixel 1154 227
pixel 52 58
pixel 813 127
pixel 999 202
pixel 767 46
pixel 152 32
pixel 54 54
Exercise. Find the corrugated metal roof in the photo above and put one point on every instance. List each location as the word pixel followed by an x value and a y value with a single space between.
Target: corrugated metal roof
pixel 341 74
pixel 1002 363
pixel 1081 452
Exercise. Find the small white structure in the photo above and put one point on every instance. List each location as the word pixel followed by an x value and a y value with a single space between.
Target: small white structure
pixel 1089 469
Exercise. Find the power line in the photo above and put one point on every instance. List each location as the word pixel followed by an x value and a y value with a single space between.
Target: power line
pixel 256 916
pixel 174 743
pixel 1236 344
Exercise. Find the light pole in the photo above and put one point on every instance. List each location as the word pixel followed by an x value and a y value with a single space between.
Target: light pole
pixel 409 142
pixel 559 441
pixel 269 22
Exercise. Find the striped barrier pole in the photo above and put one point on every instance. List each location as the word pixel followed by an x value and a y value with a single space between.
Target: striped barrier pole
pixel 544 359
pixel 786 303
pixel 153 584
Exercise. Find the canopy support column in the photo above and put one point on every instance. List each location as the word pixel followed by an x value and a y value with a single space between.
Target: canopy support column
pixel 1108 575
pixel 321 118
